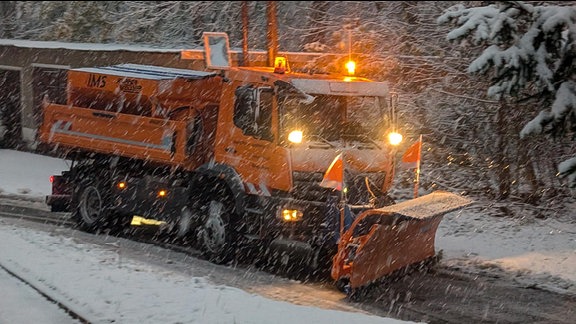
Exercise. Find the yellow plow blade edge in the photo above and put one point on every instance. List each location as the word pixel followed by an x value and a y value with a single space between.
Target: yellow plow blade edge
pixel 381 241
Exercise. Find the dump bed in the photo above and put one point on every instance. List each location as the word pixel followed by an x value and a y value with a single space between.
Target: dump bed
pixel 126 135
pixel 142 89
pixel 137 111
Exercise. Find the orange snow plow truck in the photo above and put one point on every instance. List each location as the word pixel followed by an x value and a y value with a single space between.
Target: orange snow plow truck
pixel 238 157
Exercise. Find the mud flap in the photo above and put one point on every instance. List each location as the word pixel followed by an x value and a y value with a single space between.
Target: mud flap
pixel 381 241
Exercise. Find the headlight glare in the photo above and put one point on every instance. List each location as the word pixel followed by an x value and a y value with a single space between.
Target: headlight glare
pixel 395 138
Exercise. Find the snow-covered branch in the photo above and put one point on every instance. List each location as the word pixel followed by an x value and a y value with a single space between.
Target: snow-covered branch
pixel 527 49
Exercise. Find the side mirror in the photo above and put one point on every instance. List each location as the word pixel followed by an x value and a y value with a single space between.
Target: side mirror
pixel 217 49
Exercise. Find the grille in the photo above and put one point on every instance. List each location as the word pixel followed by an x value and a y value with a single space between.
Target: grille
pixel 307 186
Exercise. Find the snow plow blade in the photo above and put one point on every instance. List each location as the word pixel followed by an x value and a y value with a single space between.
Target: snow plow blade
pixel 384 240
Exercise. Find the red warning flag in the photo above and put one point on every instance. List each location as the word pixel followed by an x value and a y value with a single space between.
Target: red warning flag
pixel 334 176
pixel 411 158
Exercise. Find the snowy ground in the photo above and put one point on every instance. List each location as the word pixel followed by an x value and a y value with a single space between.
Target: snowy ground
pixel 535 252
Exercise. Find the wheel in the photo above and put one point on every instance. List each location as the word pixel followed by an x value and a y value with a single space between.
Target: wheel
pixel 90 214
pixel 182 229
pixel 216 235
pixel 184 222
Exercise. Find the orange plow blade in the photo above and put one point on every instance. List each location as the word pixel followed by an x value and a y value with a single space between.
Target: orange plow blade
pixel 381 241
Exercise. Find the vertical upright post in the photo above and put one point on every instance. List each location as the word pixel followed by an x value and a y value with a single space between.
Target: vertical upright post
pixel 343 198
pixel 417 170
pixel 335 178
pixel 245 21
pixel 350 44
pixel 272 32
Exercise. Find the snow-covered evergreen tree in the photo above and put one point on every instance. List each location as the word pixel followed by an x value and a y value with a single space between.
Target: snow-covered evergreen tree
pixel 529 52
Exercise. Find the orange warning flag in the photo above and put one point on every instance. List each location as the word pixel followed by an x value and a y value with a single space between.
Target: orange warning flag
pixel 411 158
pixel 334 176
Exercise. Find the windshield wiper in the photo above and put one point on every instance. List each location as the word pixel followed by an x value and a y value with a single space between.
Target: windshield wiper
pixel 362 138
pixel 319 139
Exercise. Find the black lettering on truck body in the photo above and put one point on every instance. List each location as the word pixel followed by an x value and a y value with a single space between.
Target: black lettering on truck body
pixel 96 81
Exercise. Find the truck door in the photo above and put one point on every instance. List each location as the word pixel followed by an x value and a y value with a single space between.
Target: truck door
pixel 253 112
pixel 258 158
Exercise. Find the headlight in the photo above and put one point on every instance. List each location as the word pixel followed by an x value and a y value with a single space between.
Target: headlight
pixel 394 138
pixel 295 136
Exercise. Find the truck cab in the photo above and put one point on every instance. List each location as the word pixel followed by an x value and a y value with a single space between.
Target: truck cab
pixel 281 133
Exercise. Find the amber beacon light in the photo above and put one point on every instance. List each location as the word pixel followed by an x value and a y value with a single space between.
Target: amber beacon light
pixel 280 64
pixel 351 67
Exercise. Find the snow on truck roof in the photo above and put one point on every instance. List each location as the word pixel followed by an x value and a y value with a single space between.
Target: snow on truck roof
pixel 324 85
pixel 147 72
pixel 342 88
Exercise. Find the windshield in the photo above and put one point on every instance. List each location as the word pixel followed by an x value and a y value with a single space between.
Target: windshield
pixel 331 118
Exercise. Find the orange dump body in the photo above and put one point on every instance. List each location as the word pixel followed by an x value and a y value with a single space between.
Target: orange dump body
pixel 123 134
pixel 136 111
pixel 142 90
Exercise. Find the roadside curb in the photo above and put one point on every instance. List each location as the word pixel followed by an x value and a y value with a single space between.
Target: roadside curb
pixel 21 197
pixel 23 204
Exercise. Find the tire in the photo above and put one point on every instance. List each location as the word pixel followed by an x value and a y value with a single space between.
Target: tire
pixel 183 229
pixel 216 235
pixel 90 213
pixel 93 215
pixel 184 224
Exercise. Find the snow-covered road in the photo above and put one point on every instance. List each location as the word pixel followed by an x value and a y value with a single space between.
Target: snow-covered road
pixel 114 280
pixel 533 252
